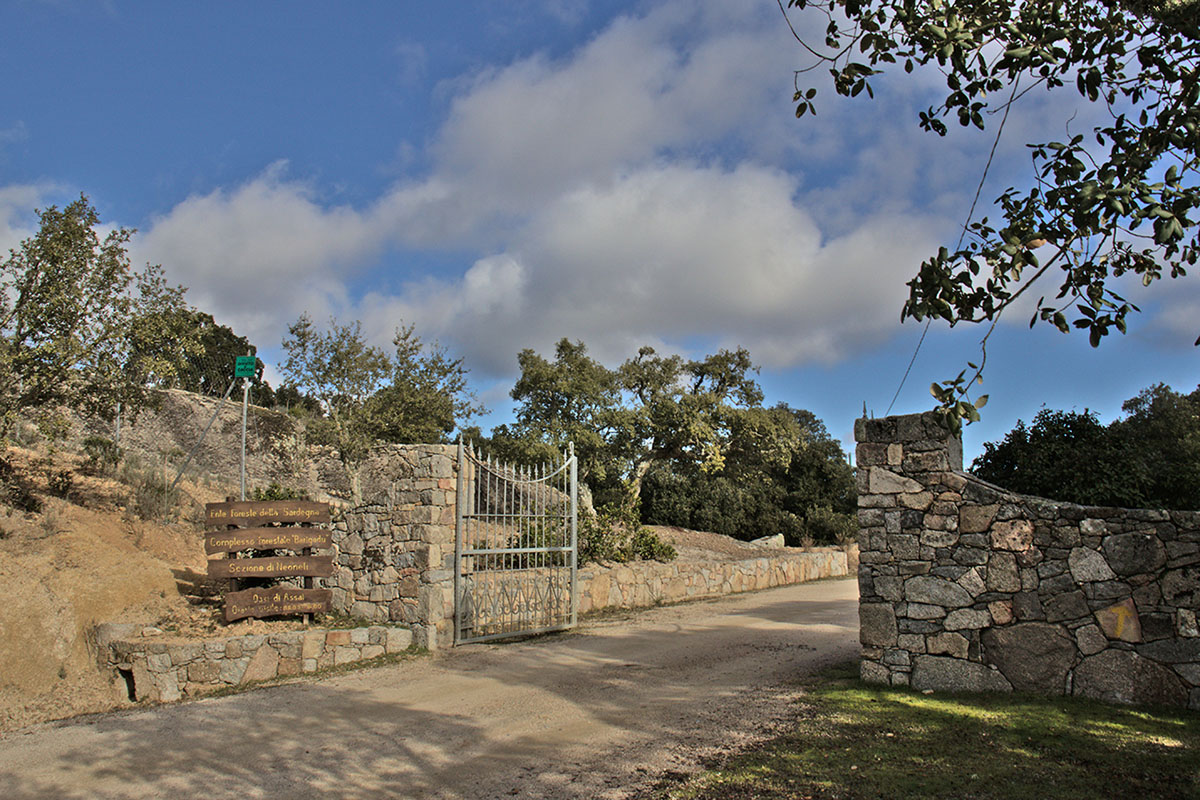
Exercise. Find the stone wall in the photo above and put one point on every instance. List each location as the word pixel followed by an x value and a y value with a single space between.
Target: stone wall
pixel 646 583
pixel 394 553
pixel 162 670
pixel 966 586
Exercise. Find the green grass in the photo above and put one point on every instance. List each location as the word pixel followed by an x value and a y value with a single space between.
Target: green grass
pixel 854 740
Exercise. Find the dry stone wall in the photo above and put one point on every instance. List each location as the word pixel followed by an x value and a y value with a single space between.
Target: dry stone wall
pixel 162 670
pixel 645 583
pixel 394 553
pixel 966 586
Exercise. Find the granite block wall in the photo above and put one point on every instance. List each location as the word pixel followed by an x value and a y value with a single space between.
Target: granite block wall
pixel 966 586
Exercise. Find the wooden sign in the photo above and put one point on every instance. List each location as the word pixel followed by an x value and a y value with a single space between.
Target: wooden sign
pixel 271 567
pixel 275 600
pixel 267 539
pixel 246 513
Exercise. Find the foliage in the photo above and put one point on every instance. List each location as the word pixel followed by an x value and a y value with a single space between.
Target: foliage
pixel 15 490
pixel 338 368
pixel 615 533
pixel 1149 459
pixel 1117 200
pixel 782 473
pixel 208 368
pixel 427 397
pixel 851 740
pixel 60 482
pixel 152 495
pixel 366 397
pixel 77 326
pixel 277 491
pixel 103 455
pixel 652 408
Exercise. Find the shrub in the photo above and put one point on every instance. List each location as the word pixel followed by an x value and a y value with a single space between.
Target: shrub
pixel 15 491
pixel 823 524
pixel 614 533
pixel 103 455
pixel 277 491
pixel 60 482
pixel 152 495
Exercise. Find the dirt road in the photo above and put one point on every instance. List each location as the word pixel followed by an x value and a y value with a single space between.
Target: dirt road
pixel 600 712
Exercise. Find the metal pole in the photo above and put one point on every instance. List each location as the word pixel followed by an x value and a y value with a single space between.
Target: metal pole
pixel 574 539
pixel 245 403
pixel 458 542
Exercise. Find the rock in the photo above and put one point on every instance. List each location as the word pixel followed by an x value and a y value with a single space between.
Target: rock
pixel 942 673
pixel 873 672
pixel 976 519
pixel 772 542
pixel 882 481
pixel 1121 622
pixel 967 618
pixel 1185 624
pixel 1093 527
pixel 1001 611
pixel 1181 587
pixel 972 582
pixel 1002 575
pixel 951 644
pixel 1027 606
pixel 263 666
pixel 1090 640
pixel 936 591
pixel 1034 656
pixel 1172 651
pixel 924 611
pixel 1015 535
pixel 1134 553
pixel 877 624
pixel 1088 566
pixel 1072 605
pixel 1124 677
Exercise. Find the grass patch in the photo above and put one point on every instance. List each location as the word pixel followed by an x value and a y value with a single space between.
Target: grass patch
pixel 854 740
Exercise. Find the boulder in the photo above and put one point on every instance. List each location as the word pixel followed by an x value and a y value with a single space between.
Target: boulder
pixel 942 673
pixel 1088 566
pixel 1123 677
pixel 877 624
pixel 1134 553
pixel 936 591
pixel 1033 656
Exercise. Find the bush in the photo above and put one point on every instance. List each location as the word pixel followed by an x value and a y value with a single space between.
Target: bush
pixel 823 524
pixel 15 491
pixel 103 455
pixel 152 496
pixel 60 482
pixel 614 533
pixel 277 491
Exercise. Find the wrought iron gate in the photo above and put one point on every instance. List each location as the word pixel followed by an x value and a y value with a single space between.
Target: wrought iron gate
pixel 515 548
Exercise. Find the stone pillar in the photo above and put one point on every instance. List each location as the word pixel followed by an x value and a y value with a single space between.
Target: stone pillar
pixel 909 484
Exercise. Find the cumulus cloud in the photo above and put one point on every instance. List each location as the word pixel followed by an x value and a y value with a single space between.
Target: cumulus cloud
pixel 665 254
pixel 628 192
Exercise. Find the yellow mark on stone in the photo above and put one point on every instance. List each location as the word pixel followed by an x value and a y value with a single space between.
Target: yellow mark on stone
pixel 1121 621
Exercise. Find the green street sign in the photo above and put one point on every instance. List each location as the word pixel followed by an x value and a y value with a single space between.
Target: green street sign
pixel 245 367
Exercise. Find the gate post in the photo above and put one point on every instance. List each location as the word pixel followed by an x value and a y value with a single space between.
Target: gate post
pixel 458 542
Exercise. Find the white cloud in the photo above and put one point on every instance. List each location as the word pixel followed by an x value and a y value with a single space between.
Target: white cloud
pixel 666 254
pixel 17 221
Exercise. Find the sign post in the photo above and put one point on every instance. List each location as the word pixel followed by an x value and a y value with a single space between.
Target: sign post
pixel 244 368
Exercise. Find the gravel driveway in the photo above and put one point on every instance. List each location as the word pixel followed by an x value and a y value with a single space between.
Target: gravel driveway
pixel 602 711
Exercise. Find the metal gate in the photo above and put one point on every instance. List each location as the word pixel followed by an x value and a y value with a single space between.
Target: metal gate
pixel 514 549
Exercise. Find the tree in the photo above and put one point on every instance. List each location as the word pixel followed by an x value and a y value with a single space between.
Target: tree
pixel 369 398
pixel 1118 200
pixel 428 396
pixel 1151 458
pixel 338 368
pixel 78 327
pixel 210 370
pixel 1064 455
pixel 781 473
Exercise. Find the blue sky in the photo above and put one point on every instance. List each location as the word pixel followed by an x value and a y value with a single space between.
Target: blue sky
pixel 502 175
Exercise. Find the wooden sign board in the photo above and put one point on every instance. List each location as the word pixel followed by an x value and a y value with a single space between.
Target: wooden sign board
pixel 276 600
pixel 267 539
pixel 246 513
pixel 271 567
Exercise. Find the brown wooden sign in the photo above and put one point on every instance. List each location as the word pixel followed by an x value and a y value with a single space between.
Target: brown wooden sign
pixel 267 539
pixel 271 567
pixel 276 600
pixel 245 514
